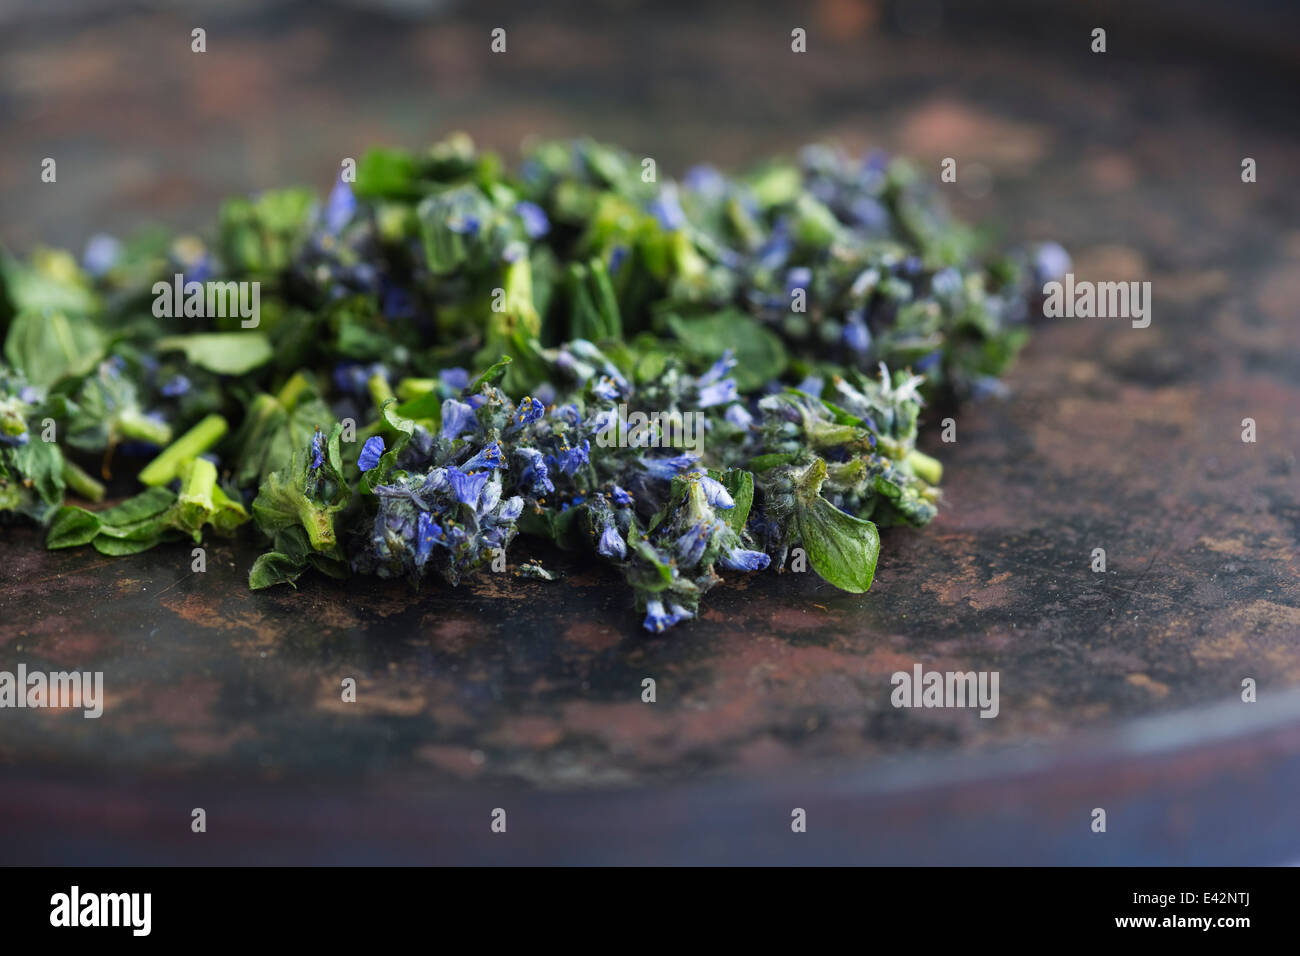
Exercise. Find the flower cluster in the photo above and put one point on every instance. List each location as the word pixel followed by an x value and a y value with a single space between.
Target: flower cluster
pixel 775 336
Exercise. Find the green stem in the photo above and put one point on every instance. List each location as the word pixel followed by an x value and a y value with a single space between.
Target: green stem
pixel 292 390
pixel 81 482
pixel 229 514
pixel 924 467
pixel 193 443
pixel 198 480
pixel 142 428
pixel 318 523
pixel 380 391
pixel 410 388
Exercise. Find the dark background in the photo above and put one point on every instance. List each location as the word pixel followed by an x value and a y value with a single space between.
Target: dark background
pixel 1118 691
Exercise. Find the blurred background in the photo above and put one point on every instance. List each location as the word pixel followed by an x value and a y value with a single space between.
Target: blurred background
pixel 143 128
pixel 1120 693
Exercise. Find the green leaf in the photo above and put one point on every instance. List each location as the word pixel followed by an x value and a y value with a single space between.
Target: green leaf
pixel 147 504
pixel 426 407
pixel 841 548
pixel 121 546
pixel 770 461
pixel 740 485
pixel 52 281
pixel 760 356
pixel 49 346
pixel 274 568
pixel 72 527
pixel 226 353
pixel 386 174
pixel 492 376
pixel 41 463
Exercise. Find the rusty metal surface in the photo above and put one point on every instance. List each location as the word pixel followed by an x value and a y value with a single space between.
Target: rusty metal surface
pixel 514 689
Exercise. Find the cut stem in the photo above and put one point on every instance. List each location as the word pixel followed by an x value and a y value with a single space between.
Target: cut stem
pixel 193 443
pixel 81 482
pixel 198 480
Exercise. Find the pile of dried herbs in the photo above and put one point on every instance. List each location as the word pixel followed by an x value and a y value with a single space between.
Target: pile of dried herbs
pixel 442 355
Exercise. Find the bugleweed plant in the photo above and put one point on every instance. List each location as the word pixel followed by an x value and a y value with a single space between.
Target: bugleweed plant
pixel 682 379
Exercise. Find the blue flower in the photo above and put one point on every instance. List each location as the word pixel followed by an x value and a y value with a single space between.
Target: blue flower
pixel 668 468
pixel 739 416
pixel 528 411
pixel 799 277
pixel 353 378
pixel 456 417
pixel 511 509
pixel 177 386
pixel 773 253
pixel 534 477
pixel 719 393
pixel 718 369
pixel 856 334
pixel 456 378
pixel 460 223
pixel 371 452
pixel 573 458
pixel 491 496
pixel 869 213
pixel 812 385
pixel 577 500
pixel 603 421
pixel 946 284
pixel 427 534
pixel 1051 263
pixel 397 524
pixel 489 457
pixel 339 208
pixel 536 224
pixel 435 480
pixel 467 488
pixel 657 619
pixel 397 302
pixel 605 388
pixel 739 559
pixel 318 448
pixel 705 180
pixel 690 546
pixel 986 386
pixel 567 413
pixel 714 491
pixel 616 257
pixel 668 209
pixel 102 253
pixel 611 543
pixel 620 496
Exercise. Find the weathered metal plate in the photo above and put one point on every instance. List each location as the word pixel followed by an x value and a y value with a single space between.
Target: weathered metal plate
pixel 526 694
